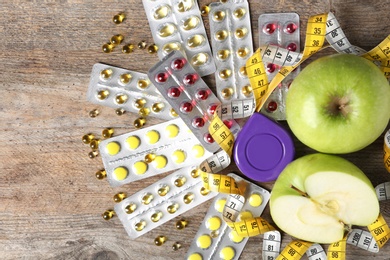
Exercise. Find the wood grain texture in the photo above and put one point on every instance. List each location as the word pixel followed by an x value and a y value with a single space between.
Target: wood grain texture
pixel 50 200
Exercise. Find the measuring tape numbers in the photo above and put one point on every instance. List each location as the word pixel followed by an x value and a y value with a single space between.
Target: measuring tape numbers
pixel 337 250
pixel 294 250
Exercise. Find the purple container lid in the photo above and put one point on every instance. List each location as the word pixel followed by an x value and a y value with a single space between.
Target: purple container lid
pixel 263 148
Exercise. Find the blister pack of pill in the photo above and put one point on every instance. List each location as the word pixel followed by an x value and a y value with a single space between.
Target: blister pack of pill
pixel 150 151
pixel 232 45
pixel 188 95
pixel 215 239
pixel 132 91
pixel 178 25
pixel 281 30
pixel 162 201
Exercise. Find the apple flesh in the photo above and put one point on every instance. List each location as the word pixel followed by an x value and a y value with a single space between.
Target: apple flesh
pixel 338 104
pixel 318 196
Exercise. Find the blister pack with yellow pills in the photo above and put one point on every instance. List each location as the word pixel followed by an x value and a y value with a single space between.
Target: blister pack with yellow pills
pixel 215 239
pixel 178 25
pixel 129 90
pixel 150 151
pixel 232 45
pixel 162 201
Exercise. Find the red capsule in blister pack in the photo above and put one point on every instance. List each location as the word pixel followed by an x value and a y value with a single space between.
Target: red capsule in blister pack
pixel 279 30
pixel 231 39
pixel 178 25
pixel 188 95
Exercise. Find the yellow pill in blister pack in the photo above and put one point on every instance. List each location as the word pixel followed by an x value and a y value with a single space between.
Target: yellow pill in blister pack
pixel 219 15
pixel 143 83
pixel 147 198
pixel 255 200
pixel 204 241
pixel 152 136
pixel 180 181
pixel 185 5
pixel 191 23
pixel 121 99
pixel 188 198
pixel 125 78
pixel 157 107
pixel 179 156
pixel 244 215
pixel 195 256
pixel 227 93
pixel 140 167
pixel 139 103
pixel 156 216
pixel 242 52
pixel 221 35
pixel 113 148
pixel 213 223
pixel 195 173
pixel 223 54
pixel 196 41
pixel 172 46
pixel 102 94
pixel 160 161
pixel 241 32
pixel 167 30
pixel 139 226
pixel 133 142
pixel 172 130
pixel 225 73
pixel 163 190
pixel 227 253
pixel 130 208
pixel 120 173
pixel 173 208
pixel 220 204
pixel 204 191
pixel 161 12
pixel 199 59
pixel 233 235
pixel 106 74
pixel 239 13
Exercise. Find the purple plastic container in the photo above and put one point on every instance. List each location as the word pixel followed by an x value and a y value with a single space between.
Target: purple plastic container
pixel 263 148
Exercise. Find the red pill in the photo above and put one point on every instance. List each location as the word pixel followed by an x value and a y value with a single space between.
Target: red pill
pixel 272 106
pixel 174 92
pixel 292 46
pixel 211 109
pixel 269 28
pixel 186 107
pixel 271 67
pixel 290 28
pixel 162 77
pixel 178 64
pixel 198 122
pixel 228 123
pixel 202 94
pixel 190 79
pixel 208 138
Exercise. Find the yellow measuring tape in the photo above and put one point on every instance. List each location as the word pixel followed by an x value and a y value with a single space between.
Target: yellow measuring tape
pixel 294 250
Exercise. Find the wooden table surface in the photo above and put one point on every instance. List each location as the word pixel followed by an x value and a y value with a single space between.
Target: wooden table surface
pixel 50 200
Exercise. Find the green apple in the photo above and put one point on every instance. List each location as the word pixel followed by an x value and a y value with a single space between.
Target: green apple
pixel 318 196
pixel 338 104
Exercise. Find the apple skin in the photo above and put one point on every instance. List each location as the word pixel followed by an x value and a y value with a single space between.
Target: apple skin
pixel 313 97
pixel 358 201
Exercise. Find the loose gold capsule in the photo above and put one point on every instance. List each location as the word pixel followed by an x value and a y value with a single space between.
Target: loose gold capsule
pixel 246 90
pixel 226 93
pixel 221 35
pixel 106 74
pixel 161 12
pixel 239 13
pixel 188 198
pixel 108 214
pixel 94 144
pixel 147 198
pixel 140 225
pixel 144 111
pixel 121 99
pixel 219 16
pixel 176 246
pixel 101 174
pixel 225 73
pixel 173 208
pixel 191 23
pixel 128 48
pixel 242 52
pixel 180 181
pixel 199 59
pixel 156 216
pixel 204 191
pixel 204 10
pixel 157 107
pixel 223 54
pixel 150 157
pixel 241 32
pixel 93 154
pixel 167 30
pixel 120 111
pixel 103 94
pixel 107 133
pixel 139 122
pixel 143 83
pixel 87 138
pixel 152 49
pixel 94 113
pixel 173 113
pixel 195 41
pixel 185 5
pixel 172 46
pixel 108 47
pixel 158 241
pixel 117 39
pixel 139 103
pixel 195 173
pixel 163 190
pixel 181 224
pixel 125 78
pixel 141 45
pixel 130 208
pixel 119 18
pixel 243 72
pixel 119 197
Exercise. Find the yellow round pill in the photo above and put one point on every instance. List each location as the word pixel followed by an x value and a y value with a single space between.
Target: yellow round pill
pixel 113 148
pixel 204 241
pixel 152 136
pixel 195 256
pixel 219 205
pixel 160 161
pixel 172 130
pixel 244 215
pixel 213 223
pixel 140 167
pixel 120 173
pixel 255 200
pixel 233 235
pixel 227 253
pixel 133 142
pixel 179 156
pixel 198 150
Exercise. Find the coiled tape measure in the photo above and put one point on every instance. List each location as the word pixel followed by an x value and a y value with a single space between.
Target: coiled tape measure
pixel 319 28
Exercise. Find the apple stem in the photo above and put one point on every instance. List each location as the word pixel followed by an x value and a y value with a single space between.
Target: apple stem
pixel 304 194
